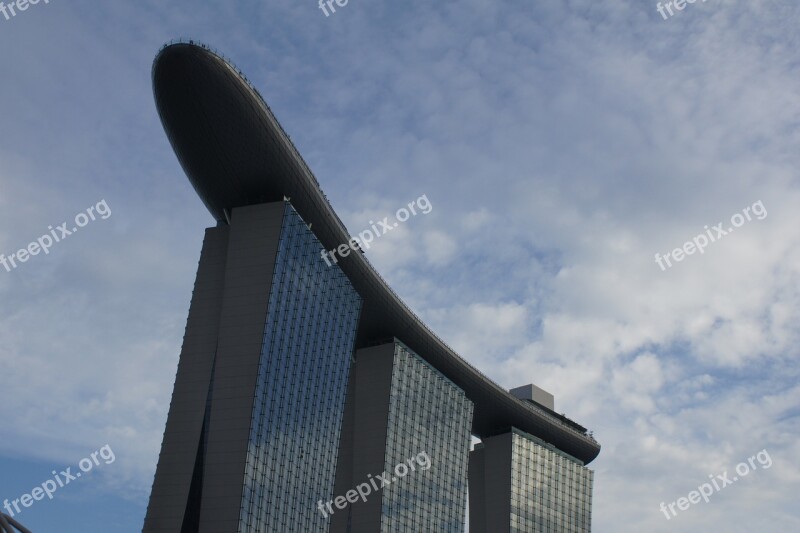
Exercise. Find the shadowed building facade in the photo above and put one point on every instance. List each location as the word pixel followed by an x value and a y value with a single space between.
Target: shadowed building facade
pixel 520 484
pixel 261 385
pixel 399 406
pixel 298 379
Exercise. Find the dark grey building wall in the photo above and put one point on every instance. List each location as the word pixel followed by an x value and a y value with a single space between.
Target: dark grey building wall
pixel 253 242
pixel 169 497
pixel 363 452
pixel 492 491
pixel 345 458
pixel 477 495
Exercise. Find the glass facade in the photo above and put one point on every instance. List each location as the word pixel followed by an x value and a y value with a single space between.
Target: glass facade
pixel 305 361
pixel 551 492
pixel 428 414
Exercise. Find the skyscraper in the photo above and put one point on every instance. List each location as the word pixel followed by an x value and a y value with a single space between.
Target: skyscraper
pixel 299 378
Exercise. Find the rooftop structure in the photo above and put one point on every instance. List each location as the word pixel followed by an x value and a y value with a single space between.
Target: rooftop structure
pixel 236 154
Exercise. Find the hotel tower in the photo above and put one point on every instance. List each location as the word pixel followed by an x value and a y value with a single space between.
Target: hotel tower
pixel 299 379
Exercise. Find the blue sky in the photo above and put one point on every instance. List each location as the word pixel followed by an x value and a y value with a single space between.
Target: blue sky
pixel 561 144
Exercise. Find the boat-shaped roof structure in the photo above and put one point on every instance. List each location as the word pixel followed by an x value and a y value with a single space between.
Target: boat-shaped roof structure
pixel 235 153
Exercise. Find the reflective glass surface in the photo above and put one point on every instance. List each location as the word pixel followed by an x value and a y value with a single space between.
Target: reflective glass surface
pixel 550 491
pixel 300 393
pixel 428 414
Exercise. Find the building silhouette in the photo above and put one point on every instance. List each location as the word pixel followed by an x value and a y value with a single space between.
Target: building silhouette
pixel 299 379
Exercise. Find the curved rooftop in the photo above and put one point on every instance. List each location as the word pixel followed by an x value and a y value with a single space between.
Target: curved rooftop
pixel 235 153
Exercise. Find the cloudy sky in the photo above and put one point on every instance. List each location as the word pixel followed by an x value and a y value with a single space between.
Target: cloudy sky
pixel 562 145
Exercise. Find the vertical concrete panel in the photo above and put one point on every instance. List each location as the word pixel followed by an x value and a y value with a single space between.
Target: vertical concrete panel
pixel 365 452
pixel 253 243
pixel 169 497
pixel 477 492
pixel 497 483
pixel 345 457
